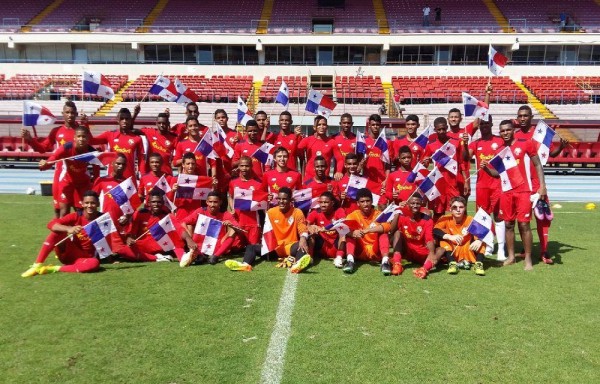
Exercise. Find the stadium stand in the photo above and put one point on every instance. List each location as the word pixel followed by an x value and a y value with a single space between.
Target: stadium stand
pixel 112 15
pixel 214 89
pixel 23 86
pixel 560 90
pixel 229 16
pixel 359 89
pixel 443 89
pixel 297 85
pixel 544 16
pixel 406 16
pixel 16 13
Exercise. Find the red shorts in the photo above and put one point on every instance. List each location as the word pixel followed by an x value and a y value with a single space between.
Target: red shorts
pixel 416 255
pixel 515 206
pixel 488 199
pixel 70 253
pixel 252 236
pixel 72 194
pixel 327 250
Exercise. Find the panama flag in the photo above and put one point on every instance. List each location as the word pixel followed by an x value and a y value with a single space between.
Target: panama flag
pixel 343 226
pixel 357 182
pixel 445 157
pixel 249 199
pixel 126 197
pixel 164 88
pixel 306 199
pixel 96 158
pixel 222 147
pixel 243 114
pixel 164 186
pixel 543 135
pixel 418 173
pixel 423 138
pixel 361 144
pixel 481 227
pixel 474 107
pixel 208 230
pixel 165 233
pixel 184 94
pixel 96 83
pixel 506 165
pixel 319 104
pixel 283 96
pixel 264 154
pixel 36 114
pixel 98 231
pixel 388 214
pixel 429 186
pixel 193 187
pixel 382 144
pixel 269 241
pixel 496 61
pixel 207 144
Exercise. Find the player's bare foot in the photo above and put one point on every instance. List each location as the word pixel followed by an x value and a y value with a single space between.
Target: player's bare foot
pixel 528 266
pixel 511 260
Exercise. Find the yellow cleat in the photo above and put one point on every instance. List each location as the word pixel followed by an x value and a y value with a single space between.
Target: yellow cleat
pixel 32 271
pixel 301 264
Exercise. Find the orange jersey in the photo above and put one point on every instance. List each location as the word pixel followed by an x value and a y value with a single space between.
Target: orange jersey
pixel 447 224
pixel 366 222
pixel 287 227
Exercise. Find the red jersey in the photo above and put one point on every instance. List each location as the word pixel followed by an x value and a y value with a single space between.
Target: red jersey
pixel 222 216
pixel 342 147
pixel 416 234
pixel 417 151
pixel 73 171
pixel 486 150
pixel 289 142
pixel 102 186
pixel 349 205
pixel 397 181
pixel 521 149
pixel 374 168
pixel 163 144
pixel 328 185
pixel 180 131
pixel 141 221
pixel 81 240
pixel 451 179
pixel 188 145
pixel 232 137
pixel 147 182
pixel 456 133
pixel 273 180
pixel 314 146
pixel 128 144
pixel 316 217
pixel 531 174
pixel 245 148
pixel 245 218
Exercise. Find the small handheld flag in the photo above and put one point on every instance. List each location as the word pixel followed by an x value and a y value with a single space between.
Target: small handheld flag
pixel 164 88
pixel 243 114
pixel 506 165
pixel 319 104
pixel 283 96
pixel 36 114
pixel 543 135
pixel 474 107
pixel 496 61
pixel 98 232
pixel 481 227
pixel 96 83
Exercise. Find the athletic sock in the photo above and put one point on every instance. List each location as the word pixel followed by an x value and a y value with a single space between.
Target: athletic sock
pixel 428 265
pixel 385 260
pixel 350 258
pixel 225 245
pixel 397 257
pixel 500 235
pixel 48 246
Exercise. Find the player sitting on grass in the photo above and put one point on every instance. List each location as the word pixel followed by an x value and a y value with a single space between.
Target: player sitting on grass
pixel 289 234
pixel 76 255
pixel 459 246
pixel 370 242
pixel 227 240
pixel 141 246
pixel 414 240
pixel 327 243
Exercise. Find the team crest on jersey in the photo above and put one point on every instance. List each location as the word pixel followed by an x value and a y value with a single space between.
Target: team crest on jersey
pixel 290 220
pixel 291 141
pixel 397 179
pixel 278 143
pixel 494 146
pixel 518 151
pixel 464 231
pixel 419 229
pixel 318 153
pixel 353 145
pixel 251 188
pixel 131 141
pixel 276 221
pixel 288 179
pixel 415 148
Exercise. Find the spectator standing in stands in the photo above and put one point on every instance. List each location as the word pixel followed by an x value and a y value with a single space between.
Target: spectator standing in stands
pixel 426 12
pixel 438 15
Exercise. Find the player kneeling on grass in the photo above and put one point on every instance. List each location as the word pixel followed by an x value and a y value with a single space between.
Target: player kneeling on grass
pixel 198 227
pixel 77 254
pixel 141 245
pixel 370 242
pixel 413 240
pixel 327 243
pixel 288 238
pixel 457 244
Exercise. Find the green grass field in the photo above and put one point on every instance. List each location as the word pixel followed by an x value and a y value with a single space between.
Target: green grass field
pixel 158 323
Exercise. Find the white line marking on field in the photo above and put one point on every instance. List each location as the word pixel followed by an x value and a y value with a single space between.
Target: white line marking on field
pixel 272 370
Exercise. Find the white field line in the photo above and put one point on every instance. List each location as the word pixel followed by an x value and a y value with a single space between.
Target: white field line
pixel 272 370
